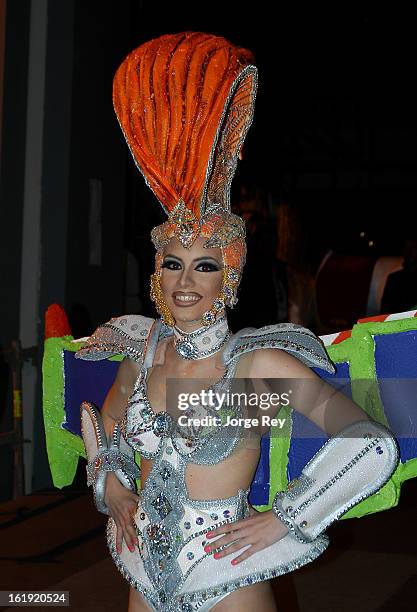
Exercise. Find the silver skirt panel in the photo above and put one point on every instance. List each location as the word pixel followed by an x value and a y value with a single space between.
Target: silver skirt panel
pixel 196 581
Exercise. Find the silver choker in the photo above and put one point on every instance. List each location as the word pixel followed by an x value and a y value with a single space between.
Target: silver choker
pixel 202 342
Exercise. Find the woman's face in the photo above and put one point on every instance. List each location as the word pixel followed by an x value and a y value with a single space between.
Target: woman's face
pixel 191 279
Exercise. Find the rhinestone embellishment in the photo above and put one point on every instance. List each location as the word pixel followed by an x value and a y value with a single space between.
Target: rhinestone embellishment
pixel 187 349
pixel 165 473
pixel 218 304
pixel 233 275
pixel 159 539
pixel 202 342
pixel 162 424
pixel 162 505
pixel 208 317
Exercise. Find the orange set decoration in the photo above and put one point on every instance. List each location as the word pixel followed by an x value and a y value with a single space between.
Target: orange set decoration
pixel 56 322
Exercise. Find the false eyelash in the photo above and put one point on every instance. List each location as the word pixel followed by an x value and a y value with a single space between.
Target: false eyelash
pixel 169 262
pixel 211 265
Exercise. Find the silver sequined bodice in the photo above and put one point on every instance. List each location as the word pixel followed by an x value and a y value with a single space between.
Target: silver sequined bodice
pixel 148 432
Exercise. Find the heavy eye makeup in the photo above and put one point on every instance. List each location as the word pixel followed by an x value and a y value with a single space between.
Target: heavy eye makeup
pixel 200 265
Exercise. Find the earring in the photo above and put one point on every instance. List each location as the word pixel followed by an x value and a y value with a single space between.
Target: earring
pixel 158 298
pixel 230 285
pixel 227 295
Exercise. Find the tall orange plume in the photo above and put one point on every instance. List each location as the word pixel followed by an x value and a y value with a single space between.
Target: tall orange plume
pixel 180 100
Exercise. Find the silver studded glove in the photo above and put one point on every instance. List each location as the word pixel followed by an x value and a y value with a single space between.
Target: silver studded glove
pixel 105 455
pixel 351 466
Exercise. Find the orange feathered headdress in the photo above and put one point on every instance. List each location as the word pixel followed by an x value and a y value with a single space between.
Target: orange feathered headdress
pixel 185 103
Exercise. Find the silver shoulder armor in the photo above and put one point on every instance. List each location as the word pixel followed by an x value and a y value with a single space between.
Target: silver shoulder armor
pixel 294 339
pixel 127 335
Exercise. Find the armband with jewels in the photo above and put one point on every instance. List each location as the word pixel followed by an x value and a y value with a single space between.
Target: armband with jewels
pixel 105 455
pixel 351 466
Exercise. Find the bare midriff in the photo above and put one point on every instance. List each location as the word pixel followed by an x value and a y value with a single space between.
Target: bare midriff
pixel 223 479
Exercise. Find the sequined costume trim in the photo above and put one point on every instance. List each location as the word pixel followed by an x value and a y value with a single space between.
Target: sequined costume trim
pixel 171 530
pixel 351 466
pixel 295 339
pixel 126 335
pixel 145 429
pixel 193 600
pixel 171 569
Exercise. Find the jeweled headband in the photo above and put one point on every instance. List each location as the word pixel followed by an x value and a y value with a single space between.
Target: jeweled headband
pixel 185 103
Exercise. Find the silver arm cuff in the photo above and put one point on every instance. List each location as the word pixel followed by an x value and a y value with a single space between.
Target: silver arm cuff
pixel 105 455
pixel 347 469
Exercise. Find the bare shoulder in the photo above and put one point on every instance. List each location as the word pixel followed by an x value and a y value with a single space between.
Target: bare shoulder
pixel 274 363
pixel 127 375
pixel 121 389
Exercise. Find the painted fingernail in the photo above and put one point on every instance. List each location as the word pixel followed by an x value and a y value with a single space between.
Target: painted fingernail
pixel 216 555
pixel 209 535
pixel 234 561
pixel 207 549
pixel 131 548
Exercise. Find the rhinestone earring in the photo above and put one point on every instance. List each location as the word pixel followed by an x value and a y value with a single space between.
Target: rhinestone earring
pixel 230 285
pixel 158 298
pixel 227 295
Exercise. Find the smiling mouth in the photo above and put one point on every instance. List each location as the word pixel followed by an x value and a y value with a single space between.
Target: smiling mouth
pixel 186 299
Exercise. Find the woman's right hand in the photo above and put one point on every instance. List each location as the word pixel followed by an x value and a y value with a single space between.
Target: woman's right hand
pixel 122 504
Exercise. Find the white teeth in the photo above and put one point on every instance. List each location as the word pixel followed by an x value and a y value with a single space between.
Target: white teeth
pixel 187 298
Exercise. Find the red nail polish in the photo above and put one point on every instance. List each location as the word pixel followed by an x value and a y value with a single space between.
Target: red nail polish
pixel 216 555
pixel 207 549
pixel 209 535
pixel 234 562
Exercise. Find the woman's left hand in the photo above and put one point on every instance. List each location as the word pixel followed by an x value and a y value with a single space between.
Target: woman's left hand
pixel 259 530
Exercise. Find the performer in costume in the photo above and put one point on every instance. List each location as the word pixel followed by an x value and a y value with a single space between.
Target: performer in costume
pixel 190 540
